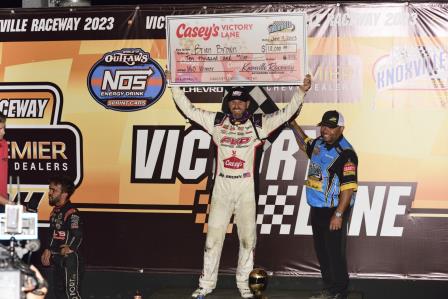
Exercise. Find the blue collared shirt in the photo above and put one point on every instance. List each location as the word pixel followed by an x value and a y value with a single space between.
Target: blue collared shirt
pixel 333 168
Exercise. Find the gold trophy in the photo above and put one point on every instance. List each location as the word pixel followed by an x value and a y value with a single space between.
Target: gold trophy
pixel 258 281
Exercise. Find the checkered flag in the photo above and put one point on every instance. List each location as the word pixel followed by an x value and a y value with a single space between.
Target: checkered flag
pixel 202 203
pixel 260 102
pixel 276 209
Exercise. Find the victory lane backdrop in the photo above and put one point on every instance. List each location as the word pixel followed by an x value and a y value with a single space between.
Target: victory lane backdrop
pixel 86 96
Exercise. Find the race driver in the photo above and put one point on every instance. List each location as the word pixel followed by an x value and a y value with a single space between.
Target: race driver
pixel 237 135
pixel 65 238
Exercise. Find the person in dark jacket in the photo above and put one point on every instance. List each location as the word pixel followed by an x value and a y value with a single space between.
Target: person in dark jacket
pixel 65 239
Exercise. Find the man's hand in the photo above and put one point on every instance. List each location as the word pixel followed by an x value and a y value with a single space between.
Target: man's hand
pixel 168 75
pixel 306 83
pixel 65 250
pixel 335 223
pixel 3 200
pixel 45 258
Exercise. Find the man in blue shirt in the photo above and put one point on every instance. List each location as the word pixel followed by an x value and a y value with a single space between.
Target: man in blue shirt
pixel 330 190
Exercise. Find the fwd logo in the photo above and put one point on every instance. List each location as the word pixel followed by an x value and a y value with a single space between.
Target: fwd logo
pixel 155 22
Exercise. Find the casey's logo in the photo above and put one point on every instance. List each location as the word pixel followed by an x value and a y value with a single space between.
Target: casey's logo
pixel 234 162
pixel 197 31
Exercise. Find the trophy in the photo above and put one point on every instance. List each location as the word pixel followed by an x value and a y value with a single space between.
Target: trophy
pixel 258 281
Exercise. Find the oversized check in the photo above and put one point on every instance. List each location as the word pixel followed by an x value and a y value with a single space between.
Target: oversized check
pixel 237 49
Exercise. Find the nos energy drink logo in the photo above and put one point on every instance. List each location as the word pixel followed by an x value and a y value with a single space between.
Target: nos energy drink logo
pixel 126 80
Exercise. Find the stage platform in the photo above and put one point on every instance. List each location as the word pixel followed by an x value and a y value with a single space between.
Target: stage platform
pixel 123 284
pixel 234 294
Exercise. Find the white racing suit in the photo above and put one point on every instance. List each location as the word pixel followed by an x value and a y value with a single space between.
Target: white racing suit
pixel 234 186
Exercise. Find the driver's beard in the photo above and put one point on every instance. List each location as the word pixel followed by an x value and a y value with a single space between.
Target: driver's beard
pixel 53 201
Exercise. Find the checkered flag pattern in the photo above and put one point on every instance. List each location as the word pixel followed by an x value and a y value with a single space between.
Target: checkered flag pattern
pixel 260 102
pixel 276 209
pixel 202 209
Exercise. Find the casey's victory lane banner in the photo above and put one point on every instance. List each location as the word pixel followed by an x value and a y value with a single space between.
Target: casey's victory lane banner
pixel 85 94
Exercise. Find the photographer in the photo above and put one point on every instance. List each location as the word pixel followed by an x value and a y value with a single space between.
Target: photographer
pixel 38 292
pixel 30 283
pixel 65 239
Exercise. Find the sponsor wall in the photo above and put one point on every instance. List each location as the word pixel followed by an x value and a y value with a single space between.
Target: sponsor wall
pixel 85 94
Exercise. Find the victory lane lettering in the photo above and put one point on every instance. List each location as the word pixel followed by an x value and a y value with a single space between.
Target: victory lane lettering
pixel 379 210
pixel 162 153
pixel 155 22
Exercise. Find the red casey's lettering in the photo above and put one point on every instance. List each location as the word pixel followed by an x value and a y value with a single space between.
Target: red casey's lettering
pixel 197 31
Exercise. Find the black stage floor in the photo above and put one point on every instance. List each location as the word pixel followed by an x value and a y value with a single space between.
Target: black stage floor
pixel 123 284
pixel 233 294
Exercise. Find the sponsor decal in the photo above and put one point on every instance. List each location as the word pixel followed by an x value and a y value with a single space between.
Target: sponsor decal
pixel 126 80
pixel 59 235
pixel 73 287
pixel 74 221
pixel 315 171
pixel 314 183
pixel 285 26
pixel 349 169
pixel 234 141
pixel 234 162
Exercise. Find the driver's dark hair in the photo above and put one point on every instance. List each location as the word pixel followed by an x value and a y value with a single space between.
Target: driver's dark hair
pixel 67 185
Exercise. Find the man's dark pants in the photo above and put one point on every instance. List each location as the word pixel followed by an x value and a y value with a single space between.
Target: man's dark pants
pixel 330 247
pixel 67 276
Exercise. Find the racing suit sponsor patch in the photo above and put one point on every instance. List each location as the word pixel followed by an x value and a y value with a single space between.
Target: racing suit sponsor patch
pixel 74 223
pixel 234 162
pixel 349 169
